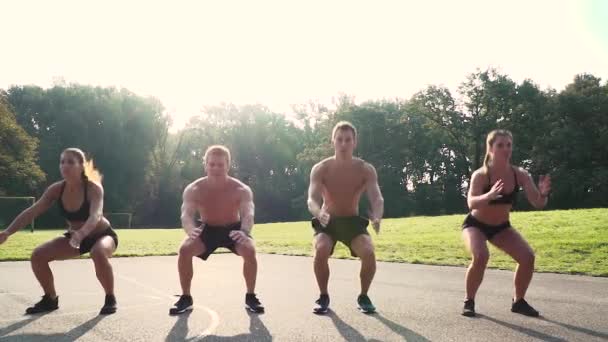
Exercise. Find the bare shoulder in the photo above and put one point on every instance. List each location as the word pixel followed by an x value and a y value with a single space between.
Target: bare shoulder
pixel 320 169
pixel 193 189
pixel 481 172
pixel 94 187
pixel 239 186
pixel 322 165
pixel 54 190
pixel 368 169
pixel 521 174
pixel 196 185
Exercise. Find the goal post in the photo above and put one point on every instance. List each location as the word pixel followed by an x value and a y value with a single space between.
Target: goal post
pixel 11 206
pixel 119 220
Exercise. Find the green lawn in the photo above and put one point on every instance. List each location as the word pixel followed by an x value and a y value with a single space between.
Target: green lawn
pixel 565 241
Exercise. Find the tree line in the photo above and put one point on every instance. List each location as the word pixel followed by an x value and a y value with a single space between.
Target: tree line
pixel 424 148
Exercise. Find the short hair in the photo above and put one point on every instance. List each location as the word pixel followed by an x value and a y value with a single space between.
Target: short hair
pixel 217 150
pixel 344 126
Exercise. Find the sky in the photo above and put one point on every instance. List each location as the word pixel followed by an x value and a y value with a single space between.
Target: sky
pixel 192 54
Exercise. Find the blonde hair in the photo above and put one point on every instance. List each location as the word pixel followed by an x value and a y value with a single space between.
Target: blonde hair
pixel 218 150
pixel 490 139
pixel 89 171
pixel 344 126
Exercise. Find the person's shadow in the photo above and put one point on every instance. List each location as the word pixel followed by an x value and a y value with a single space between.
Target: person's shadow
pixel 407 334
pixel 257 331
pixel 578 329
pixel 530 332
pixel 72 335
pixel 347 331
pixel 351 334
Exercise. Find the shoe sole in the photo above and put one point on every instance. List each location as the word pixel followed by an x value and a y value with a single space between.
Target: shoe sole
pixel 107 311
pixel 320 311
pixel 526 314
pixel 366 311
pixel 250 309
pixel 469 314
pixel 39 312
pixel 176 312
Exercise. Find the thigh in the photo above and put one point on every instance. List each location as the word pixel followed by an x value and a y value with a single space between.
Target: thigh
pixel 193 247
pixel 104 246
pixel 56 249
pixel 362 245
pixel 512 243
pixel 475 241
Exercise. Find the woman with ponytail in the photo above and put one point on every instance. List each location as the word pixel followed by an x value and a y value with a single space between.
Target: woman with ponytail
pixel 80 200
pixel 492 193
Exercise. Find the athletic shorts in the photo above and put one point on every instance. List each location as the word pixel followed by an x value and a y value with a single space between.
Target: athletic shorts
pixel 343 229
pixel 214 237
pixel 89 241
pixel 487 229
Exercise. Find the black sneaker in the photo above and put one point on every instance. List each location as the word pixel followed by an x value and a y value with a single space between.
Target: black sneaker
pixel 46 304
pixel 322 304
pixel 365 304
pixel 109 307
pixel 469 308
pixel 522 307
pixel 252 303
pixel 182 305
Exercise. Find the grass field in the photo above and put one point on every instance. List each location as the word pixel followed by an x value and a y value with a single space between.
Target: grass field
pixel 565 241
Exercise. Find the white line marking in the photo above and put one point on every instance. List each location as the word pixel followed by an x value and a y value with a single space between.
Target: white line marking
pixel 215 318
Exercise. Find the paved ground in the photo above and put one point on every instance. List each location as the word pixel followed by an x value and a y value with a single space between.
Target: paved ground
pixel 415 303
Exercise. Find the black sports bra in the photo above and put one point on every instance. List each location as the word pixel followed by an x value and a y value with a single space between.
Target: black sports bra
pixel 505 198
pixel 82 214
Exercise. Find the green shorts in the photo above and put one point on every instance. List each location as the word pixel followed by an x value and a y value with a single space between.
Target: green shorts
pixel 343 229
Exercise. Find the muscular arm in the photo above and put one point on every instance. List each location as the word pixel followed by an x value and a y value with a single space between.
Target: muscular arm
pixel 374 195
pixel 533 195
pixel 189 209
pixel 29 214
pixel 246 210
pixel 315 191
pixel 95 210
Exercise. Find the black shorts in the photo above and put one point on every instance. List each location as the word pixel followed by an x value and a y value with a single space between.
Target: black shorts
pixel 343 229
pixel 487 229
pixel 214 237
pixel 89 241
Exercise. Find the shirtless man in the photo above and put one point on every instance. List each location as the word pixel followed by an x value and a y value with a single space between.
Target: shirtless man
pixel 226 210
pixel 336 185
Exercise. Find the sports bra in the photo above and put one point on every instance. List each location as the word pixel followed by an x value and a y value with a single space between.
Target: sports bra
pixel 82 214
pixel 505 198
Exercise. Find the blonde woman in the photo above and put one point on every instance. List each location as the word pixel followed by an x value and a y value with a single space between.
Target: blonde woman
pixel 492 193
pixel 80 200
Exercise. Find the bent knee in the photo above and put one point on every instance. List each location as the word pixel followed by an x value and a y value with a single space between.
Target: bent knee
pixel 40 255
pixel 322 250
pixel 247 251
pixel 366 252
pixel 99 255
pixel 481 257
pixel 527 259
pixel 186 250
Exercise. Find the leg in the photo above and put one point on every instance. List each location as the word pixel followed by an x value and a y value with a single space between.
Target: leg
pixel 475 242
pixel 101 254
pixel 250 264
pixel 323 245
pixel 512 243
pixel 364 248
pixel 188 249
pixel 56 249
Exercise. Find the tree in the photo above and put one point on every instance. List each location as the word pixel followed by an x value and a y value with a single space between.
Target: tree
pixel 20 175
